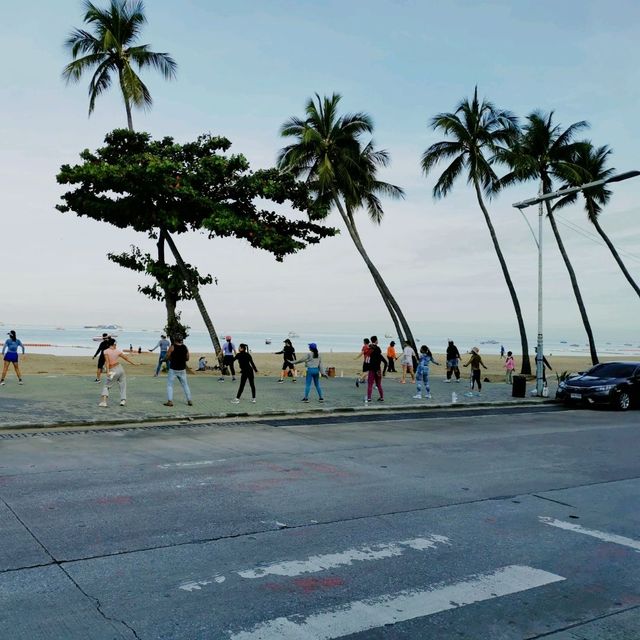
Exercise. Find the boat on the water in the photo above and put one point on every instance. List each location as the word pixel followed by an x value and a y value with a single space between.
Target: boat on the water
pixel 267 341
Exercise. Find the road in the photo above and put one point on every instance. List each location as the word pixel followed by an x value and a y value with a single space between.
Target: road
pixel 473 524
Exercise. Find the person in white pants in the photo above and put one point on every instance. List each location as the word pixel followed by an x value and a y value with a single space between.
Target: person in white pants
pixel 115 373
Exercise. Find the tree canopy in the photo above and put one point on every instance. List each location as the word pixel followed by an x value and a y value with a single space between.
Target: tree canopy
pixel 144 184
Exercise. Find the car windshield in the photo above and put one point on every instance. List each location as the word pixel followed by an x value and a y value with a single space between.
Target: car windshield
pixel 612 370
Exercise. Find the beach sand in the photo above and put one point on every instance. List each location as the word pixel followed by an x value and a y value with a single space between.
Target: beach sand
pixel 345 364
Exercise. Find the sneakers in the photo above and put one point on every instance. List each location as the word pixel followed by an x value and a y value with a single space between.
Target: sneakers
pixel 281 381
pixel 168 403
pixel 20 381
pixel 233 379
pixel 102 404
pixel 367 400
pixel 380 399
pixel 428 396
pixel 294 380
pixel 418 396
pixel 253 400
pixel 457 379
pixel 320 399
pixel 190 403
pixel 123 403
pixel 305 399
pixel 235 401
pixel 221 379
pixel 357 383
pixel 97 380
pixel 1 383
pixel 448 380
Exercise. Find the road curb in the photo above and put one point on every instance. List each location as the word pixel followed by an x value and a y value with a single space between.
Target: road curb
pixel 230 416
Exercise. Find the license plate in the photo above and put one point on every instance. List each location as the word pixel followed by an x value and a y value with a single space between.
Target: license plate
pixel 576 396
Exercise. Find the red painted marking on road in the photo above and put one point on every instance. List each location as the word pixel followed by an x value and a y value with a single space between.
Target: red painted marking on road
pixel 330 469
pixel 309 585
pixel 305 585
pixel 115 500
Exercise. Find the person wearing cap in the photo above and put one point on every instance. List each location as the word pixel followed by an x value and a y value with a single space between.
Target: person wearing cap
pixel 453 362
pixel 10 353
pixel 228 357
pixel 104 344
pixel 313 363
pixel 163 345
pixel 476 362
pixel 288 355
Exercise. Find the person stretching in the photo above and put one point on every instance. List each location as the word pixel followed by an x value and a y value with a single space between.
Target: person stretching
pixel 313 362
pixel 228 356
pixel 115 373
pixel 104 344
pixel 376 359
pixel 10 353
pixel 247 368
pixel 163 345
pixel 422 372
pixel 288 355
pixel 453 362
pixel 177 357
pixel 476 362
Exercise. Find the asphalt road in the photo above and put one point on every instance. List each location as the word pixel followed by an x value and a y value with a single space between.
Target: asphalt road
pixel 480 525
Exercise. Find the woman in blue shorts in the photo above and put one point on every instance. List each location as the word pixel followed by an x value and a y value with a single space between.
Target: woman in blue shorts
pixel 10 353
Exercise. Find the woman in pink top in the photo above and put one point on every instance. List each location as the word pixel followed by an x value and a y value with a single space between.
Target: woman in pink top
pixel 115 373
pixel 509 365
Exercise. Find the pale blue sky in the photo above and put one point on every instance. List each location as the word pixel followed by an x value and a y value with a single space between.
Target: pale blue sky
pixel 244 68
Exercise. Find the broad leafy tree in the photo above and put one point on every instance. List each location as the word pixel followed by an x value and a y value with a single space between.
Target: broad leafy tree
pixel 329 153
pixel 548 153
pixel 109 50
pixel 163 188
pixel 593 162
pixel 474 130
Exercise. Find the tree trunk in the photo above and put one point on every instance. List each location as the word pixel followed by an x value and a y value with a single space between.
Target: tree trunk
pixel 617 258
pixel 196 296
pixel 170 302
pixel 127 104
pixel 397 316
pixel 574 282
pixel 526 363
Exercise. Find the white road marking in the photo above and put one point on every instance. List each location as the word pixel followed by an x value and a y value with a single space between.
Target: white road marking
pixel 313 564
pixel 195 463
pixel 594 533
pixel 363 615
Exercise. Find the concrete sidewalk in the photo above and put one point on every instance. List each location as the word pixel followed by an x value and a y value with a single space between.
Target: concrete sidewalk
pixel 49 400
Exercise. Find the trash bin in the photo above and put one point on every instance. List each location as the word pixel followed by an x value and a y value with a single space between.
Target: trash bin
pixel 519 387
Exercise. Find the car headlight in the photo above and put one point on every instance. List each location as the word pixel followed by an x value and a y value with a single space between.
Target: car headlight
pixel 604 388
pixel 562 385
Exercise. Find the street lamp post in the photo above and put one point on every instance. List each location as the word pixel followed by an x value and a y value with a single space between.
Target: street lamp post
pixel 539 200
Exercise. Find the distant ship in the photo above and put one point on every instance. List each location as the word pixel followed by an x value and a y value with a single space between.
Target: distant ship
pixel 293 334
pixel 267 341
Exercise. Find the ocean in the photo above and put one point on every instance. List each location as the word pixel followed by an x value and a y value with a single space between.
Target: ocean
pixel 78 341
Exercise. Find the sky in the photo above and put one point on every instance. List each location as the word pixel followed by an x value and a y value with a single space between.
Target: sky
pixel 244 68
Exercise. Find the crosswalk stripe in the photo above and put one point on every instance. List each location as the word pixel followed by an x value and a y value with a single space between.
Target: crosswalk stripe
pixel 313 564
pixel 363 615
pixel 594 533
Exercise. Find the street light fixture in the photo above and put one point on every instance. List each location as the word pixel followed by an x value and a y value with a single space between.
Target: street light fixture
pixel 539 200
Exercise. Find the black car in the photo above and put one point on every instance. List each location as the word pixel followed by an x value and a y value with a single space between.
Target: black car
pixel 613 383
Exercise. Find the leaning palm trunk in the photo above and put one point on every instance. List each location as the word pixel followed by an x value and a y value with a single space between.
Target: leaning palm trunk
pixel 526 363
pixel 614 253
pixel 170 302
pixel 397 316
pixel 574 284
pixel 196 296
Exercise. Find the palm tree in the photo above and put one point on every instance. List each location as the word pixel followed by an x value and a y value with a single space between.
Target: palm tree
pixel 546 153
pixel 593 162
pixel 329 153
pixel 110 50
pixel 475 128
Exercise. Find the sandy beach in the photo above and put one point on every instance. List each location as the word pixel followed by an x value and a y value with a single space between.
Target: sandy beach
pixel 345 364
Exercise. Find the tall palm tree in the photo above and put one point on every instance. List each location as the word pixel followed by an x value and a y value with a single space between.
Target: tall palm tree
pixel 546 153
pixel 330 154
pixel 593 162
pixel 110 50
pixel 474 129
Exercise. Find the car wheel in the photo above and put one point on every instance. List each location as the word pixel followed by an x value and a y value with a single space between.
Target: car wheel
pixel 622 401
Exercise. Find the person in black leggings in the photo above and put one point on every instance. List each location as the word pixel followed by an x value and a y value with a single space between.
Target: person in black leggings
pixel 247 367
